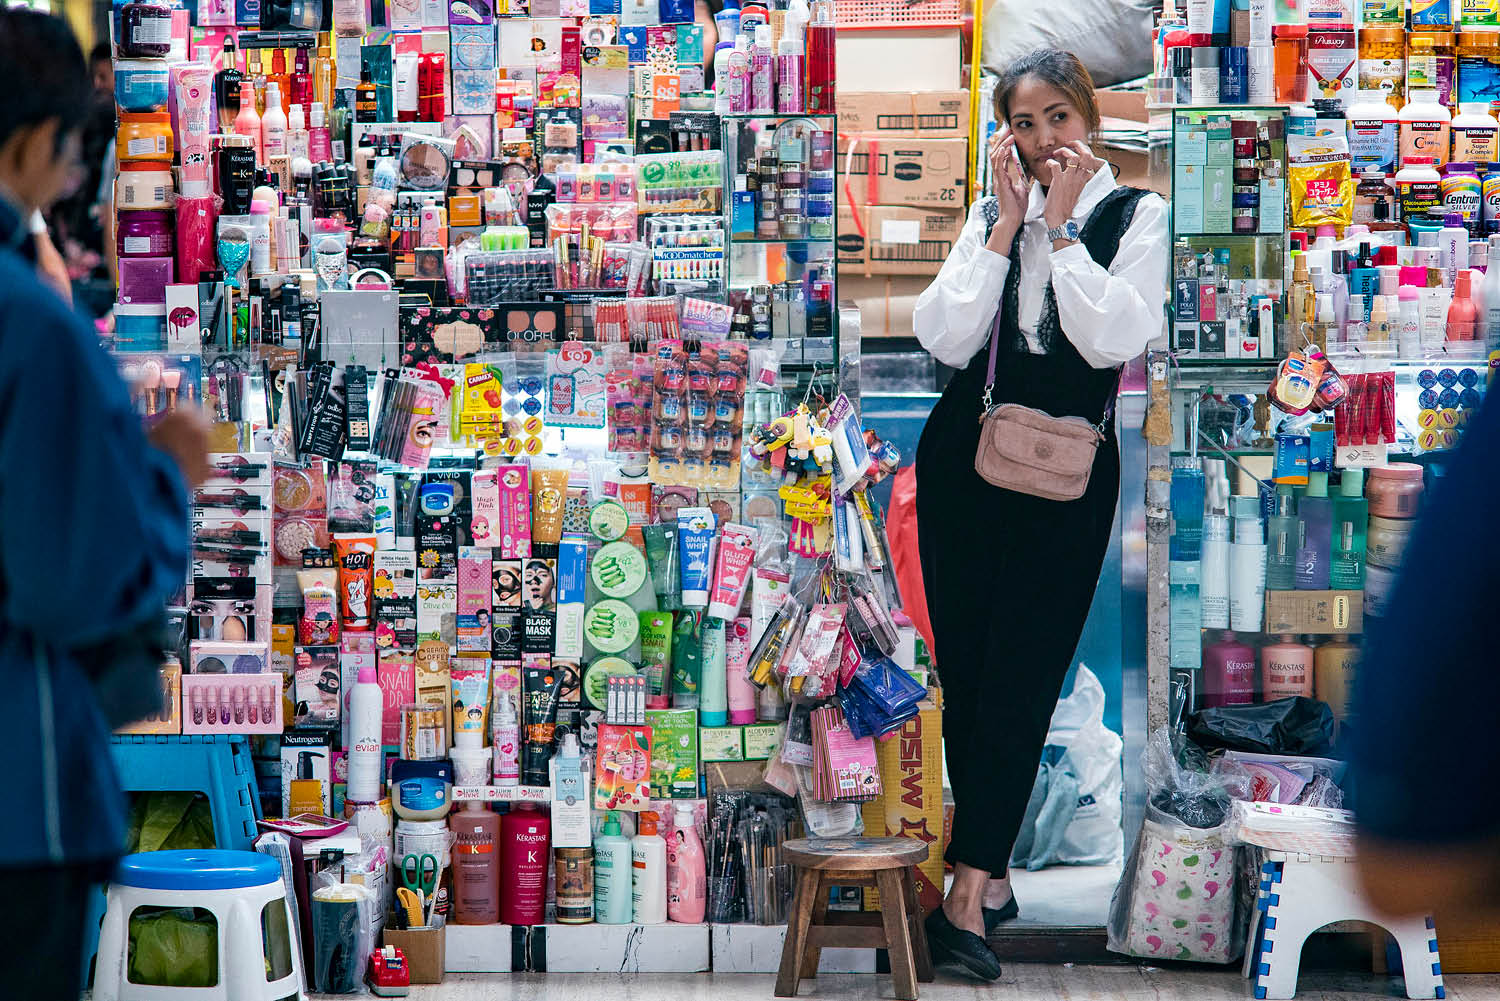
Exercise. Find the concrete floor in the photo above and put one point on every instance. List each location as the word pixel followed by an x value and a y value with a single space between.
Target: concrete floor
pixel 1022 982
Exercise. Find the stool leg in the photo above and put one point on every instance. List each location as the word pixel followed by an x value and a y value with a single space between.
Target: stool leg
pixel 1417 939
pixel 897 933
pixel 787 978
pixel 811 954
pixel 920 952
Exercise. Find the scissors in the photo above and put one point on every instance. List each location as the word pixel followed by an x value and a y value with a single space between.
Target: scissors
pixel 419 874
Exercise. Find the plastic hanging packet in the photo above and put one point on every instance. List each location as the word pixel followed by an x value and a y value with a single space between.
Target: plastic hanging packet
pixel 887 685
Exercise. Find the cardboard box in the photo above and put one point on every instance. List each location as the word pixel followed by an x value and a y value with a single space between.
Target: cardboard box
pixel 910 804
pixel 721 743
pixel 1318 612
pixel 1123 101
pixel 169 719
pixel 886 302
pixel 897 240
pixel 914 58
pixel 425 949
pixel 931 114
pixel 902 171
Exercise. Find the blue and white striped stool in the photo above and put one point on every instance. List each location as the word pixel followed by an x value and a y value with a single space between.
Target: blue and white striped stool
pixel 252 956
pixel 1300 894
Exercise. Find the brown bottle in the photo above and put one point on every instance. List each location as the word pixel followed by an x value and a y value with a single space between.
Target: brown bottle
pixel 1334 665
pixel 476 865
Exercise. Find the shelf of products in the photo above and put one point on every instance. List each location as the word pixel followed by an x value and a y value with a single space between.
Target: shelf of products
pixel 520 497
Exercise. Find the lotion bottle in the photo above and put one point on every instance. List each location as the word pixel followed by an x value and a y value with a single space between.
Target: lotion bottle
pixel 687 870
pixel 648 862
pixel 613 875
pixel 762 88
pixel 1213 584
pixel 1247 566
pixel 247 122
pixel 319 142
pixel 1351 517
pixel 1315 534
pixel 1281 548
pixel 273 123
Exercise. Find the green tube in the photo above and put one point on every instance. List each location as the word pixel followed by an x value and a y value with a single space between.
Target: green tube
pixel 661 553
pixel 656 655
pixel 687 660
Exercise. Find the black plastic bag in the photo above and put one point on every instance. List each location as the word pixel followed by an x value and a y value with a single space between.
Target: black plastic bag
pixel 1287 726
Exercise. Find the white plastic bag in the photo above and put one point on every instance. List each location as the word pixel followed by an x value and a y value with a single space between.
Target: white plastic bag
pixel 1112 37
pixel 1093 835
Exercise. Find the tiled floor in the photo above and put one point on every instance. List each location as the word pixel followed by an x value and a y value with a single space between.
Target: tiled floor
pixel 1022 982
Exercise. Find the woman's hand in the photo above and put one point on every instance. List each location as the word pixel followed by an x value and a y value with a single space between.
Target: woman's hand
pixel 1012 191
pixel 1073 166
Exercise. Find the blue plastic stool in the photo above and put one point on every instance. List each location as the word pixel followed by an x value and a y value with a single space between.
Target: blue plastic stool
pixel 253 957
pixel 219 767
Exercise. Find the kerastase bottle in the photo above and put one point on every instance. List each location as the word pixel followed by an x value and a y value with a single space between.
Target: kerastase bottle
pixel 476 865
pixel 227 86
pixel 525 850
pixel 1286 669
pixel 648 862
pixel 613 875
pixel 1334 665
pixel 1228 673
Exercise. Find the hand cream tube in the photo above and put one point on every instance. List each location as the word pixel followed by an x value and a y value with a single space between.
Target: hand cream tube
pixel 695 543
pixel 471 704
pixel 542 687
pixel 736 554
pixel 713 690
pixel 549 494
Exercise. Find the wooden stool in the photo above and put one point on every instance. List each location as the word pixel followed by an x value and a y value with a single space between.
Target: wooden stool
pixel 883 863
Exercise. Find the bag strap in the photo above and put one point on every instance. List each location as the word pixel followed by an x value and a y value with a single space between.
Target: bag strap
pixel 986 404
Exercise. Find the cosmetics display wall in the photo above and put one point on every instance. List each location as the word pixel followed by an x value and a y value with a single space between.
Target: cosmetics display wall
pixel 534 481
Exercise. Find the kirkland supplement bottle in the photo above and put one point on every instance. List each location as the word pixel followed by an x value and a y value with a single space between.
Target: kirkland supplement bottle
pixel 1473 133
pixel 1372 133
pixel 1425 127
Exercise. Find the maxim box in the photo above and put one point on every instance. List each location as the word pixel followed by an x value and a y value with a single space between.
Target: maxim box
pixel 901 171
pixel 897 240
pixel 932 114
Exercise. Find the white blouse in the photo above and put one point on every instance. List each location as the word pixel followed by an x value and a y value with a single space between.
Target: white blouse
pixel 1109 316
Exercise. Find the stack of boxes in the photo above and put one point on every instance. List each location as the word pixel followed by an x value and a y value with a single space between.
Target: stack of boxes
pixel 903 162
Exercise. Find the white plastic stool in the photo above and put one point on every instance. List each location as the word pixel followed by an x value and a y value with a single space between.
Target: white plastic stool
pixel 244 894
pixel 1300 894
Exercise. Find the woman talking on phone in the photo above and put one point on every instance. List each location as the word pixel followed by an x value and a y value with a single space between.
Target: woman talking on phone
pixel 1056 281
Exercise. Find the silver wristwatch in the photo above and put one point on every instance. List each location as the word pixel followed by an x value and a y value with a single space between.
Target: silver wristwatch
pixel 1067 231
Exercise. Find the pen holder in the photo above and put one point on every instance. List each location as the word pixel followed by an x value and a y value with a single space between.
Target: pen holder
pixel 723 903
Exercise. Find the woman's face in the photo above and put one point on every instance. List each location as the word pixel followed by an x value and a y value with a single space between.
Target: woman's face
pixel 1042 118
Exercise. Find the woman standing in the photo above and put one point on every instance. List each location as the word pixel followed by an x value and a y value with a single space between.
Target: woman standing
pixel 1063 275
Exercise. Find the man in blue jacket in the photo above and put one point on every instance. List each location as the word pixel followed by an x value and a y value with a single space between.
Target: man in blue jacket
pixel 93 538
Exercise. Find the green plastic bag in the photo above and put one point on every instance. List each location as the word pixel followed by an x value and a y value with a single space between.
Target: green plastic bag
pixel 174 947
pixel 162 821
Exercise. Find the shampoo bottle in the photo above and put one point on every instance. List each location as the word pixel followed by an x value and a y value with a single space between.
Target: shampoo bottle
pixel 1351 516
pixel 1228 673
pixel 247 122
pixel 1286 669
pixel 687 870
pixel 273 124
pixel 525 850
pixel 613 875
pixel 1334 665
pixel 648 862
pixel 1315 534
pixel 476 865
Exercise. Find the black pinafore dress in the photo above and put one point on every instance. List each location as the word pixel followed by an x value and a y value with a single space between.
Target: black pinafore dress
pixel 1010 577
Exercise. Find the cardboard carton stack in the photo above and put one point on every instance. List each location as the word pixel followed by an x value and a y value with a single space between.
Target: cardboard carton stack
pixel 903 165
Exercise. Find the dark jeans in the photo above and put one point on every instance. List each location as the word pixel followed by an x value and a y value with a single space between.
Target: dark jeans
pixel 42 928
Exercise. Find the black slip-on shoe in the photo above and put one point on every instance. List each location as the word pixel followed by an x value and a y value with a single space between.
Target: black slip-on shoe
pixel 953 946
pixel 995 916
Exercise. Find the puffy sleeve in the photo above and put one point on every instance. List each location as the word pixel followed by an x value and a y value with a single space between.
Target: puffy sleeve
pixel 1110 316
pixel 955 312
